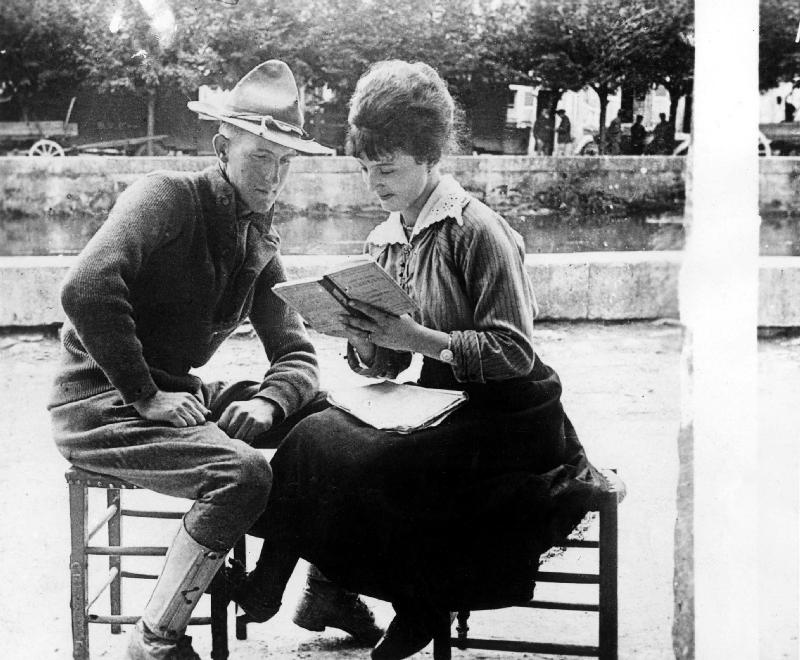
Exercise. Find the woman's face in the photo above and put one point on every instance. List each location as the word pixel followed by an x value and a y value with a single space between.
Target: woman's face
pixel 399 181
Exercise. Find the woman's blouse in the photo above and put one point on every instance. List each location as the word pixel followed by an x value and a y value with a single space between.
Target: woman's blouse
pixel 464 267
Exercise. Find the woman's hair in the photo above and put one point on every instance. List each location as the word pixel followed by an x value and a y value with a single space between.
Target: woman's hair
pixel 402 105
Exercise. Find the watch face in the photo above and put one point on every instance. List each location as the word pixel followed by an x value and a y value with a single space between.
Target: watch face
pixel 446 356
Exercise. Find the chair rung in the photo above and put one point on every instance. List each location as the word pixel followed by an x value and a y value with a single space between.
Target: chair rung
pixel 112 575
pixel 138 576
pixel 108 514
pixel 143 550
pixel 559 605
pixel 136 513
pixel 577 543
pixel 568 578
pixel 525 647
pixel 125 618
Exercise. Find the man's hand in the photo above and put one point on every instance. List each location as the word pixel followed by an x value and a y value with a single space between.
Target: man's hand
pixel 245 420
pixel 175 408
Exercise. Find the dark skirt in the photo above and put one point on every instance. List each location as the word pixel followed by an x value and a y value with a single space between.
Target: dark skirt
pixel 455 516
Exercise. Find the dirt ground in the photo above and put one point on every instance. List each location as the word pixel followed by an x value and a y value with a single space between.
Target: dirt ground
pixel 621 389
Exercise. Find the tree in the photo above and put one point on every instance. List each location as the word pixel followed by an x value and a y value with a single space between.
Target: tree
pixel 570 44
pixel 778 53
pixel 146 46
pixel 666 50
pixel 41 47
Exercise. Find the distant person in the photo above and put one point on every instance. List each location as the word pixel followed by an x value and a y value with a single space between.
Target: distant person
pixel 614 135
pixel 638 136
pixel 789 111
pixel 663 136
pixel 543 133
pixel 563 134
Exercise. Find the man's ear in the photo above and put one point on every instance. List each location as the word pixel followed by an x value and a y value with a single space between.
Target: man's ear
pixel 221 145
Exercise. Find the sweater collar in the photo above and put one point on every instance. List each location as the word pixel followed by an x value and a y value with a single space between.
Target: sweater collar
pixel 446 202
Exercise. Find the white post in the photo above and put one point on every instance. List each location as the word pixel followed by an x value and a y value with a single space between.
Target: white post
pixel 719 296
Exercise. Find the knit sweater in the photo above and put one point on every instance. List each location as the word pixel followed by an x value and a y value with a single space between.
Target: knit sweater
pixel 167 278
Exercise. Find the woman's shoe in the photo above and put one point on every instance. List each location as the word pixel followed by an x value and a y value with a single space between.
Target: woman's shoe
pixel 327 605
pixel 406 635
pixel 244 590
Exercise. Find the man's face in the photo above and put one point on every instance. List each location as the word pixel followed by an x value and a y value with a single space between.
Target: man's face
pixel 256 168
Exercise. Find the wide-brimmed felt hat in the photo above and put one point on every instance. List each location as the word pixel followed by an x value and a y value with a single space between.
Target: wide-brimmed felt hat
pixel 265 102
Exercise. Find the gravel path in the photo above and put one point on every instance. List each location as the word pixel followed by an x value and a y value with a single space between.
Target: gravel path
pixel 621 389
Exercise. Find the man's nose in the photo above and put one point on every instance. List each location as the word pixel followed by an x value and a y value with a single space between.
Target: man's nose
pixel 273 176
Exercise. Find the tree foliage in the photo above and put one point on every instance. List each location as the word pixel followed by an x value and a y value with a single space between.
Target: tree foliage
pixel 41 48
pixel 129 45
pixel 571 44
pixel 778 53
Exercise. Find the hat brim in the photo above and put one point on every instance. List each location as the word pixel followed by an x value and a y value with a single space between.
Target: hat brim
pixel 309 147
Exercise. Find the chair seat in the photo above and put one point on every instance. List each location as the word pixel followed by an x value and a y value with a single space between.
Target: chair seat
pixel 76 475
pixel 615 485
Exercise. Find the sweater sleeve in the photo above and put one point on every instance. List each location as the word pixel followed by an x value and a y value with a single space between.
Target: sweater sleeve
pixel 501 345
pixel 96 293
pixel 292 379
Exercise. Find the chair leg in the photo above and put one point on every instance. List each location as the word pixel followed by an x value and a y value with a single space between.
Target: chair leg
pixel 113 498
pixel 219 623
pixel 608 632
pixel 240 555
pixel 441 642
pixel 78 565
pixel 463 627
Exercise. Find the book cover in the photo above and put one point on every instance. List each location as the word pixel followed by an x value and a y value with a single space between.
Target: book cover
pixel 319 300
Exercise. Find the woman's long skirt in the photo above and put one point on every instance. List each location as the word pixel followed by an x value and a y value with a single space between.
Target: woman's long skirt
pixel 455 516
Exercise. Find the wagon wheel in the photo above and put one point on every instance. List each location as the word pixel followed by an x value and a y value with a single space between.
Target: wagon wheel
pixel 46 148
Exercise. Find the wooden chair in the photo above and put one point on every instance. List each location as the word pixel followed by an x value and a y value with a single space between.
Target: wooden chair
pixel 81 534
pixel 606 605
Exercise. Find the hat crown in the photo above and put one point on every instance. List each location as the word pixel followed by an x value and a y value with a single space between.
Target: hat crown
pixel 269 90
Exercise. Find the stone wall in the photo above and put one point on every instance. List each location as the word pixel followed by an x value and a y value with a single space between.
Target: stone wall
pixel 53 206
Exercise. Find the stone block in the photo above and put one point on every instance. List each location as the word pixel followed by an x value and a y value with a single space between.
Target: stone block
pixel 633 285
pixel 29 290
pixel 561 284
pixel 779 291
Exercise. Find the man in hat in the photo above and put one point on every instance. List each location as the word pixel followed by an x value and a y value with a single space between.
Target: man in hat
pixel 181 261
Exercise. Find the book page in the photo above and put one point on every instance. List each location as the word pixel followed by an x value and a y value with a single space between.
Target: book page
pixel 368 282
pixel 317 307
pixel 394 406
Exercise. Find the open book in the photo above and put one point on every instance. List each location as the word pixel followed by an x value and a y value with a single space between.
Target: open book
pixel 397 407
pixel 320 300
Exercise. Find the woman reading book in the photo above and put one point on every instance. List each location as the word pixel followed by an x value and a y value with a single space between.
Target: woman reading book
pixel 454 516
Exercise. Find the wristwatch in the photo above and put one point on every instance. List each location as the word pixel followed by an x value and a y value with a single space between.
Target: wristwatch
pixel 446 354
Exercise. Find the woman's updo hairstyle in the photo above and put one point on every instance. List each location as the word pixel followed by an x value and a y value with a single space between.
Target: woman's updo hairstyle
pixel 401 105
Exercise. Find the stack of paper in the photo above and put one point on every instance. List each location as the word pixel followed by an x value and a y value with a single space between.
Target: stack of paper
pixel 397 407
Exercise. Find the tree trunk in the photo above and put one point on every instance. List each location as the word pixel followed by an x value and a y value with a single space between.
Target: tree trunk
pixel 674 97
pixel 602 94
pixel 151 119
pixel 687 114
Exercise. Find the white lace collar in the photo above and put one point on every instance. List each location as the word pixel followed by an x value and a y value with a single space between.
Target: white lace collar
pixel 446 202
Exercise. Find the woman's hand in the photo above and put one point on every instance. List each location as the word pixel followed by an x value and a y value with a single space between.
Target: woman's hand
pixel 379 328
